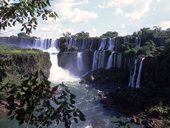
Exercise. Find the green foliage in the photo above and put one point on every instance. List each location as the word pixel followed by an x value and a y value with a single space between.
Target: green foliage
pixel 34 102
pixel 23 35
pixel 19 51
pixel 67 35
pixel 24 12
pixel 158 110
pixel 63 47
pixel 81 35
pixel 131 52
pixel 148 48
pixel 126 46
pixel 146 33
pixel 109 34
pixel 3 47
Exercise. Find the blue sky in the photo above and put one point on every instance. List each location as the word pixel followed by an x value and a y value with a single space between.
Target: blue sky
pixel 100 16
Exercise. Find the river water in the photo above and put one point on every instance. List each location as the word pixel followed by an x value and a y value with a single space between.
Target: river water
pixel 87 100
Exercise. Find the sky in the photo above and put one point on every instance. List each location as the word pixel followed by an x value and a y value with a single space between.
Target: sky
pixel 100 16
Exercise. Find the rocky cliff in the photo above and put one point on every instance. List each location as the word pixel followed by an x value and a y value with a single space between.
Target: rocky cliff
pixel 22 62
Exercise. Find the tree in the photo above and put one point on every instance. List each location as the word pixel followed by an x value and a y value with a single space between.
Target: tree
pixel 40 108
pixel 109 34
pixel 24 12
pixel 23 35
pixel 67 35
pixel 81 35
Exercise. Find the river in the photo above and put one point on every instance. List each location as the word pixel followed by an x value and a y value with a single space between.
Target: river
pixel 87 100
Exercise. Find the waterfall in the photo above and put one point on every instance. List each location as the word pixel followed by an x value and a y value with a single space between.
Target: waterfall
pixel 57 74
pixel 139 74
pixel 110 61
pixel 70 42
pixel 101 57
pixel 132 76
pixel 94 65
pixel 43 44
pixel 102 44
pixel 98 60
pixel 111 44
pixel 79 61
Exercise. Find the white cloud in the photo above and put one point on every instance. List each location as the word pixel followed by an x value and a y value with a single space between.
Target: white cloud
pixel 68 12
pixel 93 32
pixel 123 33
pixel 48 29
pixel 165 24
pixel 123 25
pixel 139 13
pixel 118 11
pixel 134 9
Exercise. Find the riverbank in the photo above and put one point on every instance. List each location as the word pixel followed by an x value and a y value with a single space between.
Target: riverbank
pixel 16 63
pixel 148 106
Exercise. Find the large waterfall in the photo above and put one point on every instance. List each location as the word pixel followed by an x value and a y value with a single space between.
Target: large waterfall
pixel 87 99
pixel 104 53
pixel 57 74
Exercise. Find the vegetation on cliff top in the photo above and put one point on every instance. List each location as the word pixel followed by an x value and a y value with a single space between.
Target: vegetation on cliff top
pixel 19 95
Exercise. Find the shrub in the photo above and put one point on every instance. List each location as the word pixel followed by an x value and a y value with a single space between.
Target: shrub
pixel 131 52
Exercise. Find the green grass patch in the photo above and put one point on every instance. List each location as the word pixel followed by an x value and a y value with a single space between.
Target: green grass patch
pixel 7 49
pixel 20 51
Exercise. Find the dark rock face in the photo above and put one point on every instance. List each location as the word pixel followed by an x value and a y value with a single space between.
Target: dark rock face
pixel 156 71
pixel 22 64
pixel 68 60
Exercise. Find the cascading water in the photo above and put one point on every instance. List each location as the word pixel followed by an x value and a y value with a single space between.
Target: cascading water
pixel 93 111
pixel 57 74
pixel 102 44
pixel 139 74
pixel 111 44
pixel 133 81
pixel 110 61
pixel 95 60
pixel 132 78
pixel 80 61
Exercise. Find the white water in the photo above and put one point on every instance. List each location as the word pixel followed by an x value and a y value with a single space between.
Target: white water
pixel 110 61
pixel 133 81
pixel 139 74
pixel 132 78
pixel 58 74
pixel 102 44
pixel 95 60
pixel 79 61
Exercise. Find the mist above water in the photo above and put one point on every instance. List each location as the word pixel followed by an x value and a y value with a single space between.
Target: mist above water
pixel 58 74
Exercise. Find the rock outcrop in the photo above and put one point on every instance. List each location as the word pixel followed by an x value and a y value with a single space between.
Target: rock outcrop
pixel 25 63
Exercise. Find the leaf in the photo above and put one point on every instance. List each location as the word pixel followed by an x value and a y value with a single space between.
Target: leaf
pixel 81 116
pixel 22 29
pixel 75 120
